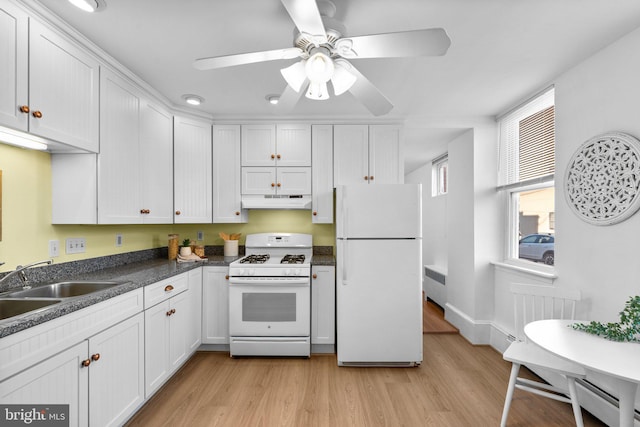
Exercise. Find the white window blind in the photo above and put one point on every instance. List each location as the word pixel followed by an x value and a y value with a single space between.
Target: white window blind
pixel 527 142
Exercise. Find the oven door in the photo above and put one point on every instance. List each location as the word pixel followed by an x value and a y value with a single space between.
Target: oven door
pixel 269 307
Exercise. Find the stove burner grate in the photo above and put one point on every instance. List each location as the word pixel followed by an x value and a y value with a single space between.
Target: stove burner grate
pixel 255 259
pixel 292 259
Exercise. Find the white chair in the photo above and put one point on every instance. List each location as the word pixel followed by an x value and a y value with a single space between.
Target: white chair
pixel 535 302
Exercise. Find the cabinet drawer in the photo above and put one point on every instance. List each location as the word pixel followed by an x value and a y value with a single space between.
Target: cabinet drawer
pixel 160 291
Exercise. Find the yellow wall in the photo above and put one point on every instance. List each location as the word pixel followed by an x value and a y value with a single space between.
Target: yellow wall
pixel 27 229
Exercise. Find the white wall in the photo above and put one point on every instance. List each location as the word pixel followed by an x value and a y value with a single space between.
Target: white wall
pixel 461 230
pixel 599 95
pixel 434 231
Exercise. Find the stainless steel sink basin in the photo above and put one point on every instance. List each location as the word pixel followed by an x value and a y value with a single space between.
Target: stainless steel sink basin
pixel 63 289
pixel 15 307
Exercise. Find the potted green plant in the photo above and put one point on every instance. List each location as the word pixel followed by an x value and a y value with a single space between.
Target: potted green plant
pixel 185 250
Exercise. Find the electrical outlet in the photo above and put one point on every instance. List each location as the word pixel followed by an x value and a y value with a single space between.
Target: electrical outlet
pixel 200 235
pixel 76 245
pixel 118 240
pixel 54 248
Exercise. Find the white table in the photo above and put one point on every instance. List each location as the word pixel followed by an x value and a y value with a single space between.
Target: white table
pixel 618 360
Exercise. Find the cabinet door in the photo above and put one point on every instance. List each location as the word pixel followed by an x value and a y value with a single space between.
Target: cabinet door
pixel 386 163
pixel 156 346
pixel 14 72
pixel 156 164
pixel 292 181
pixel 293 145
pixel 192 172
pixel 179 321
pixel 58 380
pixel 118 161
pixel 259 180
pixel 350 154
pixel 227 175
pixel 215 302
pixel 323 305
pixel 322 174
pixel 63 87
pixel 194 328
pixel 258 145
pixel 116 386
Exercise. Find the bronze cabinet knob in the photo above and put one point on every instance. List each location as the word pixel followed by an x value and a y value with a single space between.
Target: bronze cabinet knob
pixel 315 276
pixel 273 156
pixel 371 178
pixel 237 213
pixel 37 114
pixel 86 362
pixel 95 357
pixel 315 213
pixel 278 156
pixel 24 109
pixel 366 178
pixel 178 212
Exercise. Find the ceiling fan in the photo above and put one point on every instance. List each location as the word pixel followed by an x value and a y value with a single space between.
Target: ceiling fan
pixel 320 43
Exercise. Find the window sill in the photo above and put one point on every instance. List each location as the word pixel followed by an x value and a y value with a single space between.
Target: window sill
pixel 544 272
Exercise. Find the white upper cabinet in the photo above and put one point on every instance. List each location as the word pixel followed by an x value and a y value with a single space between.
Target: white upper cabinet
pixel 293 145
pixel 367 154
pixel 49 85
pixel 227 175
pixel 14 69
pixel 135 163
pixel 350 154
pixel 276 145
pixel 192 171
pixel 322 174
pixel 386 161
pixel 156 162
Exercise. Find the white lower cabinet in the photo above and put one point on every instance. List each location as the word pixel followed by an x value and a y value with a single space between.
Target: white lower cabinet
pixel 168 335
pixel 215 305
pixel 101 379
pixel 57 380
pixel 194 328
pixel 116 372
pixel 323 308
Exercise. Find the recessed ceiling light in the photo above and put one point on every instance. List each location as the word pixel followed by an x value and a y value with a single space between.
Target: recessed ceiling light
pixel 89 5
pixel 273 99
pixel 193 99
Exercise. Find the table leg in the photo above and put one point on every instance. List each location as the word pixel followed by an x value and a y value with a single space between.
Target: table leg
pixel 627 395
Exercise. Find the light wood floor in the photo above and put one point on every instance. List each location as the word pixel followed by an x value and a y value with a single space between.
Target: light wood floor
pixel 457 385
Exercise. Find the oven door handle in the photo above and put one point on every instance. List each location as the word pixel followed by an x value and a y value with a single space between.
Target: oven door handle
pixel 235 281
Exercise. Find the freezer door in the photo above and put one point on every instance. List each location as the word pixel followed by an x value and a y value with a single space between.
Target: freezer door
pixel 379 301
pixel 379 211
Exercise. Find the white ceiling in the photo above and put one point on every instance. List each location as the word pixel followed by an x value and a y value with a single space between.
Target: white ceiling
pixel 501 52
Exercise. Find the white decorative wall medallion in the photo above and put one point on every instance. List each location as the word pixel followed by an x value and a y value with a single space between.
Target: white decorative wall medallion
pixel 602 182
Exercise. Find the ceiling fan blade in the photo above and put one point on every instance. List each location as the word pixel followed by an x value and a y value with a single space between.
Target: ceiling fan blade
pixel 429 42
pixel 246 58
pixel 290 98
pixel 367 93
pixel 306 16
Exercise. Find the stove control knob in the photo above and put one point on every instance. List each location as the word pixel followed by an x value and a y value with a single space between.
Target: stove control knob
pixel 296 272
pixel 251 272
pixel 286 272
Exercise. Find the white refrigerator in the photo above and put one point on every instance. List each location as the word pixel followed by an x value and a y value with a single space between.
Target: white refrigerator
pixel 379 275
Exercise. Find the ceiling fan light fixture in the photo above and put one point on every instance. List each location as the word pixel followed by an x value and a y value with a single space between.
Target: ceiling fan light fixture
pixel 89 5
pixel 193 99
pixel 319 66
pixel 342 79
pixel 295 75
pixel 317 91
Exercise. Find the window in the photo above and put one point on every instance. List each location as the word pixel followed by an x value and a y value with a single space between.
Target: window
pixel 526 176
pixel 440 175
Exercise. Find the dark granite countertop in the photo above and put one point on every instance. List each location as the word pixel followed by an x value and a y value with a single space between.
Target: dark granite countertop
pixel 135 275
pixel 136 270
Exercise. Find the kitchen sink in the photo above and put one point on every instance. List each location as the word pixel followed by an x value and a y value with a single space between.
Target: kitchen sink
pixel 15 307
pixel 63 289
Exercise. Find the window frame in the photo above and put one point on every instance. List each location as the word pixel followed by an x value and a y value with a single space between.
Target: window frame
pixel 436 181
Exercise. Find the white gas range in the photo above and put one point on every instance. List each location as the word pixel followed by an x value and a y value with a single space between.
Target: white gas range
pixel 270 296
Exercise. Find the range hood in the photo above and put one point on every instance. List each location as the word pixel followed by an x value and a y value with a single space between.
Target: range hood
pixel 276 202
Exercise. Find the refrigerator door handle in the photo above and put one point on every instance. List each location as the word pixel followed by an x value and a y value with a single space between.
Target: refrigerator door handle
pixel 344 262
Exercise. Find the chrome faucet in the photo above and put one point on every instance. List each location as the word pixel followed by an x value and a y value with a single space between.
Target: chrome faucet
pixel 21 274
